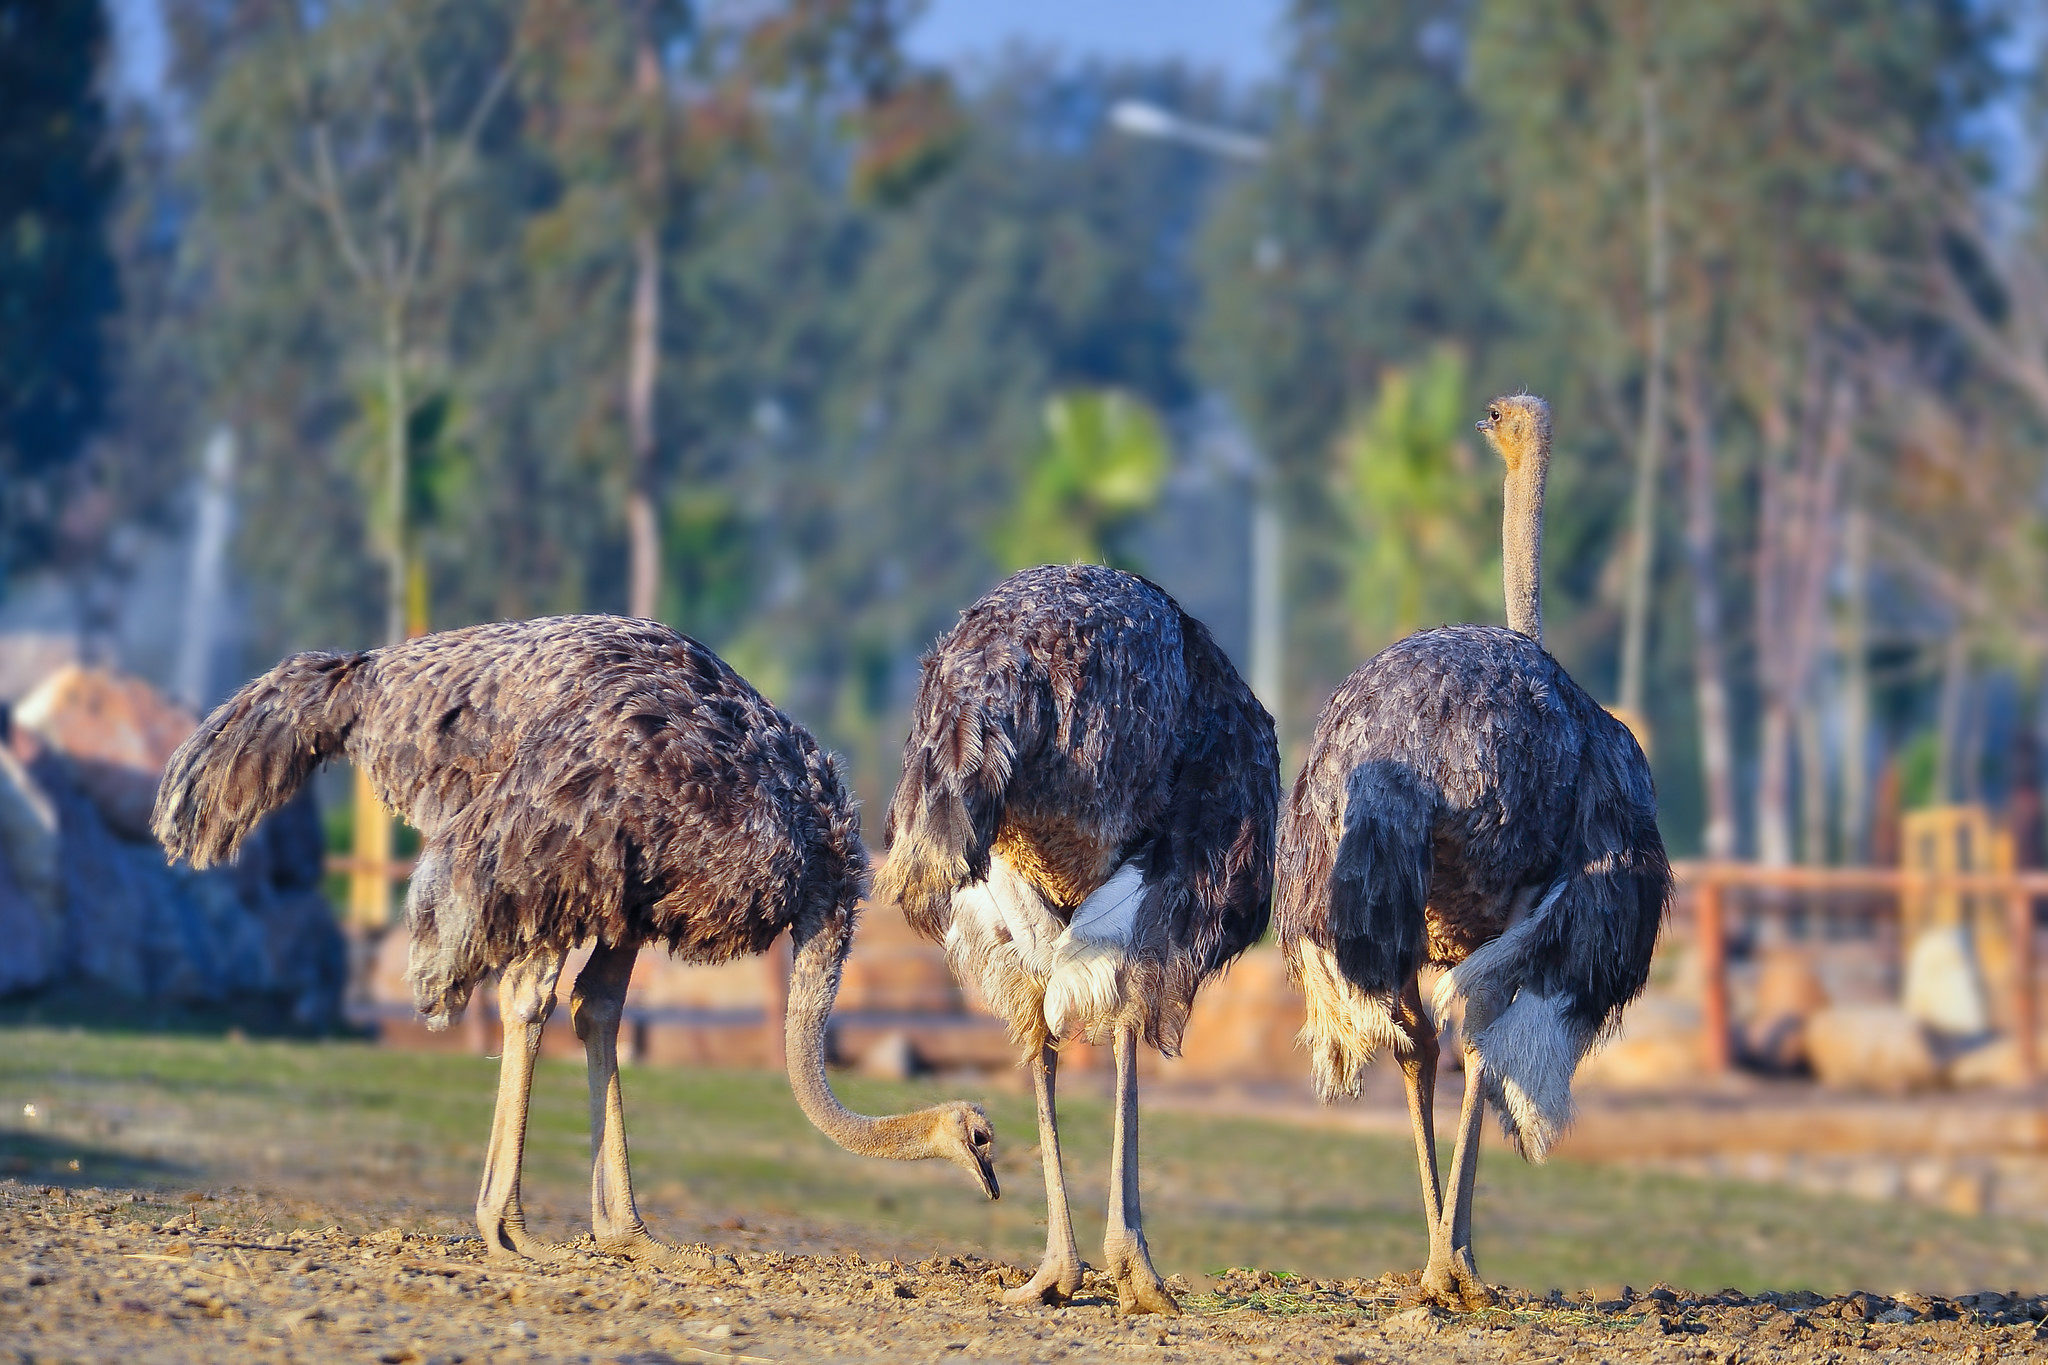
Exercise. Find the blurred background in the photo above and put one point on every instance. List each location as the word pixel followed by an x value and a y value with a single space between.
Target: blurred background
pixel 797 323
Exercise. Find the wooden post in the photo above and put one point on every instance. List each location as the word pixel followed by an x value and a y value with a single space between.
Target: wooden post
pixel 369 876
pixel 777 1001
pixel 2019 909
pixel 1711 942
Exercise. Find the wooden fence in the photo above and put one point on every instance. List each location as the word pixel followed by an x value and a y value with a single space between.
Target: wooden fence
pixel 1707 885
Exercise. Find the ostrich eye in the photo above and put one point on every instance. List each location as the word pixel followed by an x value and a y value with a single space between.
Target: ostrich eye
pixel 1493 414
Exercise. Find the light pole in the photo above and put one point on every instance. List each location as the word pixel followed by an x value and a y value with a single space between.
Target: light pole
pixel 1141 118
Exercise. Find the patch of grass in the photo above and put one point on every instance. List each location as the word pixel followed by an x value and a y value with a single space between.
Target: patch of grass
pixel 368 1134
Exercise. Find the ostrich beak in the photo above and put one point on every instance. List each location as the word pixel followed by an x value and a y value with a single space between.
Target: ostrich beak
pixel 985 1172
pixel 1483 424
pixel 977 1156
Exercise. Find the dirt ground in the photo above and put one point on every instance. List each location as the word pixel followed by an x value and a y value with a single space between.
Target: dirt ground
pixel 121 1274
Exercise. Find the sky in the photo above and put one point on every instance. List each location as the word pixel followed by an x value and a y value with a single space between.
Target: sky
pixel 1236 37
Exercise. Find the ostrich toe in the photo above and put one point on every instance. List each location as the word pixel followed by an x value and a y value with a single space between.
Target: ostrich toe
pixel 508 1240
pixel 1138 1286
pixel 643 1246
pixel 1453 1283
pixel 1054 1283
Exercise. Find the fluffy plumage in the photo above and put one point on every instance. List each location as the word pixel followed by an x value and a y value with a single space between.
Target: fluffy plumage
pixel 573 777
pixel 1461 783
pixel 1076 721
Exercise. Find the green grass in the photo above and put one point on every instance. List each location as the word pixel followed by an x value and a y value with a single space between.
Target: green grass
pixel 358 1133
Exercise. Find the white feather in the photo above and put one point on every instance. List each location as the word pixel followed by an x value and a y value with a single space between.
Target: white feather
pixel 1085 986
pixel 1526 1057
pixel 1110 915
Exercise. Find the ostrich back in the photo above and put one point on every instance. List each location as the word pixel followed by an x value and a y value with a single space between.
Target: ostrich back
pixel 1517 775
pixel 583 776
pixel 1075 721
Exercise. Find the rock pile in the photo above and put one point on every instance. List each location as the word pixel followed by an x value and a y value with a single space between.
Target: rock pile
pixel 86 900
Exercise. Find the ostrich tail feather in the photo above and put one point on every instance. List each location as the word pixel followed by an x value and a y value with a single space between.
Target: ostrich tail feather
pixel 252 755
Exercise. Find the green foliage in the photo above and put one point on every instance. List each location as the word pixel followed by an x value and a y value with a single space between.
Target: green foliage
pixel 1425 507
pixel 1102 463
pixel 57 276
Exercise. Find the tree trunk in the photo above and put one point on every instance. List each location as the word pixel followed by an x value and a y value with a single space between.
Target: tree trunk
pixel 1854 810
pixel 397 475
pixel 1642 566
pixel 643 522
pixel 1774 787
pixel 1813 782
pixel 1710 687
pixel 1949 720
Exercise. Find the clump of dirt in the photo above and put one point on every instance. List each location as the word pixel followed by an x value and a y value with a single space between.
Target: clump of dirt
pixel 116 1274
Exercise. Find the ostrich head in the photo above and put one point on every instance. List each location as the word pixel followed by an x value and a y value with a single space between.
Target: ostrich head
pixel 961 1133
pixel 1517 426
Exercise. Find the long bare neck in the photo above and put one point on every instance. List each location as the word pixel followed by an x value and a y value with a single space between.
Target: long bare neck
pixel 1521 534
pixel 813 986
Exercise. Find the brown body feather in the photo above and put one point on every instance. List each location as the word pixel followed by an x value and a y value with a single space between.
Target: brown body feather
pixel 572 778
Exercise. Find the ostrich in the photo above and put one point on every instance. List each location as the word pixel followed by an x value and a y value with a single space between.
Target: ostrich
pixel 1466 804
pixel 573 778
pixel 1086 822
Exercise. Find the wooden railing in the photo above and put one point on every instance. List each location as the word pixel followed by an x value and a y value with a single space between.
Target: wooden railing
pixel 1708 882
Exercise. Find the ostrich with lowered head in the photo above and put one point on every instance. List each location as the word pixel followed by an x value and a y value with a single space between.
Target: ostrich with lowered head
pixel 1466 804
pixel 573 778
pixel 1086 822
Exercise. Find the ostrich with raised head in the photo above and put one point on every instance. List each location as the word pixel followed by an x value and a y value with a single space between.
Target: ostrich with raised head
pixel 1466 804
pixel 1086 822
pixel 574 778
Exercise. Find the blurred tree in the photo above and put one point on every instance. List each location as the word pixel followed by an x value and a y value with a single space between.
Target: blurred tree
pixel 345 143
pixel 1102 463
pixel 1364 242
pixel 1773 325
pixel 1425 508
pixel 58 283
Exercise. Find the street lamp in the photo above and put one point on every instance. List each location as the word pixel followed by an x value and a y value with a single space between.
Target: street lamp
pixel 1141 118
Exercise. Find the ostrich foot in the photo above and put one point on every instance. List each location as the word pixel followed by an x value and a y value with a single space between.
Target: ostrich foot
pixel 1453 1283
pixel 506 1239
pixel 1138 1286
pixel 1056 1281
pixel 640 1245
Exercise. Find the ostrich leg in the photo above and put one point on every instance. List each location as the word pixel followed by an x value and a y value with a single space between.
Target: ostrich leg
pixel 526 996
pixel 1451 1276
pixel 596 1005
pixel 1059 1274
pixel 1138 1286
pixel 1418 1074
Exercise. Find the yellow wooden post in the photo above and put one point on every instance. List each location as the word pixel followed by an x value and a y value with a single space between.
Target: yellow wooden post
pixel 369 874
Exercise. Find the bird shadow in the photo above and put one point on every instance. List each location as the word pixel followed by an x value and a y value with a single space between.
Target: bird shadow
pixel 53 1159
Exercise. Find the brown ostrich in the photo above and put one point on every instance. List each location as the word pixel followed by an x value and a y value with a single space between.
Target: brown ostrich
pixel 1465 803
pixel 1086 822
pixel 574 778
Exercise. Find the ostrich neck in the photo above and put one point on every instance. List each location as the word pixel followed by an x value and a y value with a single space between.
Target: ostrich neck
pixel 813 986
pixel 1522 544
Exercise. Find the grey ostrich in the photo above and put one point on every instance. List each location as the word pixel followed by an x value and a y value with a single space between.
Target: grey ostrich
pixel 1086 822
pixel 1466 804
pixel 573 778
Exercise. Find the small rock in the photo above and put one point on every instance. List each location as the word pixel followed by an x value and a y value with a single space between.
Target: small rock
pixel 1899 1314
pixel 1413 1322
